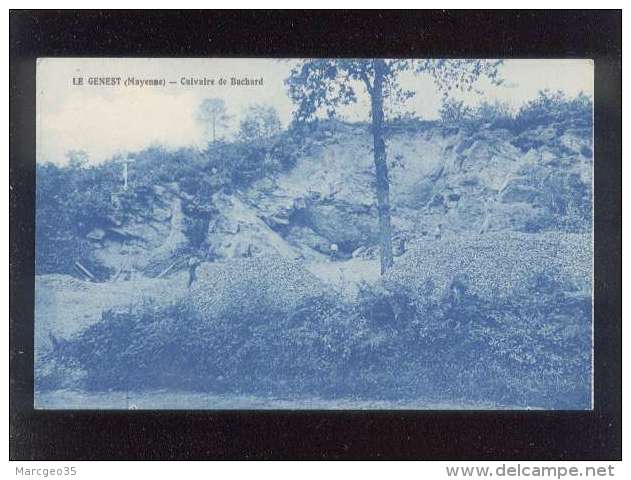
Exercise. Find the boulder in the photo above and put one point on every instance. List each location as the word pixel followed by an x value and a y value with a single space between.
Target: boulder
pixel 366 252
pixel 238 231
pixel 96 234
pixel 245 249
pixel 398 246
pixel 301 235
pixel 279 220
pixel 517 217
pixel 177 238
pixel 161 214
pixel 420 194
pixel 300 203
pixel 519 190
pixel 436 201
pixel 576 140
pixel 222 224
pixel 343 223
pixel 453 197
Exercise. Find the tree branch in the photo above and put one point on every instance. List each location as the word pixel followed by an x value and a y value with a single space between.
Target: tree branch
pixel 364 77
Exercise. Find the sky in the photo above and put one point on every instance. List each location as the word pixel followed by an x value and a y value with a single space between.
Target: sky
pixel 108 120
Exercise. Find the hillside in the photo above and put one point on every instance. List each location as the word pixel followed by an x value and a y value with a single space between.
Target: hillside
pixel 444 180
pixel 493 245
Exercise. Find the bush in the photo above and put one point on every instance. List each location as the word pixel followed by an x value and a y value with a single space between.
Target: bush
pixel 498 114
pixel 455 111
pixel 555 107
pixel 528 350
pixel 260 123
pixel 73 200
pixel 70 203
pixel 546 109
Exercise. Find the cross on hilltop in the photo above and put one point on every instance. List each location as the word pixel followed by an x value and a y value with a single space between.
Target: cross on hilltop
pixel 126 160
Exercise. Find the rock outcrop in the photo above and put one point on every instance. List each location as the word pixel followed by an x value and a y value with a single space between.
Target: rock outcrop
pixel 456 180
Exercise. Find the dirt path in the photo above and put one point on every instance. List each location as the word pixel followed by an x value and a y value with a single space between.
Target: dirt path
pixel 70 399
pixel 346 275
pixel 65 305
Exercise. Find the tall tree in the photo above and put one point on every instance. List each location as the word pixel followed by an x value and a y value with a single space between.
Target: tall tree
pixel 260 122
pixel 212 112
pixel 323 85
pixel 77 158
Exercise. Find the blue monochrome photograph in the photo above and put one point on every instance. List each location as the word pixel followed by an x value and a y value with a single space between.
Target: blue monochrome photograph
pixel 326 233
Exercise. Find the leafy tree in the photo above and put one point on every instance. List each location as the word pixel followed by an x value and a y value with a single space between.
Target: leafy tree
pixel 494 111
pixel 71 201
pixel 549 107
pixel 77 158
pixel 455 111
pixel 325 84
pixel 212 112
pixel 497 113
pixel 260 122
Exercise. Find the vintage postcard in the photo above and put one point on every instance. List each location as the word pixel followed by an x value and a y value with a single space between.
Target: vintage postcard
pixel 314 234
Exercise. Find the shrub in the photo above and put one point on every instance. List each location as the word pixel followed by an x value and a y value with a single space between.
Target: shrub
pixel 260 123
pixel 528 350
pixel 546 109
pixel 455 111
pixel 73 200
pixel 70 203
pixel 555 107
pixel 498 114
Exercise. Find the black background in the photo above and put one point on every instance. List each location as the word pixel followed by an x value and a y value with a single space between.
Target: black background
pixel 431 435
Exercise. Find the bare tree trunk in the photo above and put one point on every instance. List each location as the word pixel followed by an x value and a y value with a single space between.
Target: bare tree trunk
pixel 214 119
pixel 381 167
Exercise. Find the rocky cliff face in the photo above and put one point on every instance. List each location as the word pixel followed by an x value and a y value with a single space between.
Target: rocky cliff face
pixel 444 181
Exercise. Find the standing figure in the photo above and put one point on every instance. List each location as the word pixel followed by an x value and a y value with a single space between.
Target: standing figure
pixel 398 246
pixel 438 233
pixel 334 251
pixel 193 263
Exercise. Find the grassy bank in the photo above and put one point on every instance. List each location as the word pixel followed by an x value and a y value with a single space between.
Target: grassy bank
pixel 394 341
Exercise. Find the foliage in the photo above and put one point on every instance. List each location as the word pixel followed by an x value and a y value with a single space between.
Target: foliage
pixel 260 123
pixel 326 84
pixel 77 158
pixel 530 350
pixel 323 85
pixel 213 114
pixel 497 114
pixel 455 111
pixel 555 107
pixel 548 108
pixel 71 201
